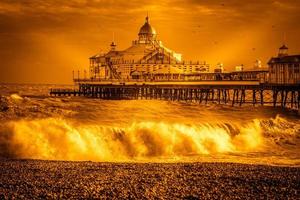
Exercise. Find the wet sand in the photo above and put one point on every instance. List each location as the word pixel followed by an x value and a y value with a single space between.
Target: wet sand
pixel 33 179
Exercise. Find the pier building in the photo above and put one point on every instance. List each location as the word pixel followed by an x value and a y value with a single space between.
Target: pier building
pixel 149 70
pixel 284 69
pixel 147 58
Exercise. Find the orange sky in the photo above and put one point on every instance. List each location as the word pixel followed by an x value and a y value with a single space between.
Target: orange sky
pixel 42 41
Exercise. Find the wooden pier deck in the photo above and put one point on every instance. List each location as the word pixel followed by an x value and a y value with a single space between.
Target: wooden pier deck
pixel 221 92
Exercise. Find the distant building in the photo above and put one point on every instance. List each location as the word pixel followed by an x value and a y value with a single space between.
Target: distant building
pixel 257 64
pixel 284 69
pixel 146 58
pixel 239 68
pixel 219 68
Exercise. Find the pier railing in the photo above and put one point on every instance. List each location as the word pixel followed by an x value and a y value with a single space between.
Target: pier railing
pixel 64 92
pixel 260 75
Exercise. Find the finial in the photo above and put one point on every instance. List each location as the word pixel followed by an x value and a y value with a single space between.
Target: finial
pixel 147 18
pixel 113 44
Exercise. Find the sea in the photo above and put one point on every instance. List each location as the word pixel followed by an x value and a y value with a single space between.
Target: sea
pixel 35 125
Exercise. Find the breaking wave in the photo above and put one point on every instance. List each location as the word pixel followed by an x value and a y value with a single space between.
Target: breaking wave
pixel 60 139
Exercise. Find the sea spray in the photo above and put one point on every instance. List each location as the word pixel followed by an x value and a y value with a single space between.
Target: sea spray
pixel 64 140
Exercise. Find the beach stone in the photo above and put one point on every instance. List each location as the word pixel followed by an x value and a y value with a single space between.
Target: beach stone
pixel 38 179
pixel 4 104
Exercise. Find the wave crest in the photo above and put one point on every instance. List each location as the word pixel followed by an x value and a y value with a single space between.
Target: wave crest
pixel 60 139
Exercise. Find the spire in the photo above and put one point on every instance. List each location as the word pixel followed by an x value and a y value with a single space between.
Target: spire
pixel 147 18
pixel 113 44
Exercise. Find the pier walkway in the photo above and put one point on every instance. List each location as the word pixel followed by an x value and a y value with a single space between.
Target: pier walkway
pixel 221 92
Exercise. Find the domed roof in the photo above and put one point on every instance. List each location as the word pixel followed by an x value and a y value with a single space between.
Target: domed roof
pixel 147 28
pixel 283 47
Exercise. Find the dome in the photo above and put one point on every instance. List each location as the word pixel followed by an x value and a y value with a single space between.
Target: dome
pixel 147 29
pixel 283 47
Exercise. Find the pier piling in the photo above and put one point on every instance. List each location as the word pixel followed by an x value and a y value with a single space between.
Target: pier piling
pixel 287 96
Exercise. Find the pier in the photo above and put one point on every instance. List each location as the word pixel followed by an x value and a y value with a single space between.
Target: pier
pixel 202 92
pixel 149 70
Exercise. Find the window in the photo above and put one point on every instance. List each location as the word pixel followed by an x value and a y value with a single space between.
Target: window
pixel 296 68
pixel 281 68
pixel 272 69
pixel 290 70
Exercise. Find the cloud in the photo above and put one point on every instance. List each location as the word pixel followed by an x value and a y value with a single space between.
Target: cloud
pixel 41 31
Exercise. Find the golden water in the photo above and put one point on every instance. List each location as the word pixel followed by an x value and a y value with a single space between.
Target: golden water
pixel 146 131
